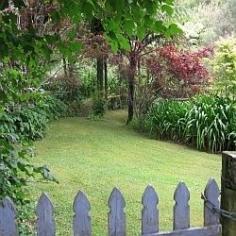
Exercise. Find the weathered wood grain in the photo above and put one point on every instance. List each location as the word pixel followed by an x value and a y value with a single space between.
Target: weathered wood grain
pixel 213 230
pixel 212 194
pixel 45 217
pixel 116 215
pixel 181 208
pixel 150 212
pixel 82 220
pixel 8 225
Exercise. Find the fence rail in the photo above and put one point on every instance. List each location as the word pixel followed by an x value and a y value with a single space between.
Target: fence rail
pixel 45 225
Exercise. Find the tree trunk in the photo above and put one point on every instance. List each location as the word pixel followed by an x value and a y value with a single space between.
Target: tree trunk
pixel 106 79
pixel 119 77
pixel 70 69
pixel 64 66
pixel 131 87
pixel 100 70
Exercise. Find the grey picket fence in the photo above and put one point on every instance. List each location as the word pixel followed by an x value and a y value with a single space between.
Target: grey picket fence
pixel 45 225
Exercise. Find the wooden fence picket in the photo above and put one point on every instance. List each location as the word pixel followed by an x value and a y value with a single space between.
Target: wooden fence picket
pixel 8 225
pixel 181 218
pixel 45 217
pixel 150 212
pixel 212 194
pixel 82 220
pixel 116 215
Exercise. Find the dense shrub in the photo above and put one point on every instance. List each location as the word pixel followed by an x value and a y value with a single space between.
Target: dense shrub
pixel 115 102
pixel 20 124
pixel 64 87
pixel 177 72
pixel 67 90
pixel 87 76
pixel 207 123
pixel 224 67
pixel 30 119
pixel 98 107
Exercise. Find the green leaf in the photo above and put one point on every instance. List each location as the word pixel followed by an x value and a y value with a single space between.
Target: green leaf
pixel 128 26
pixel 123 42
pixel 173 30
pixel 141 32
pixel 159 27
pixel 116 5
pixel 112 41
pixel 148 22
pixel 112 25
pixel 168 9
pixel 71 48
pixel 151 7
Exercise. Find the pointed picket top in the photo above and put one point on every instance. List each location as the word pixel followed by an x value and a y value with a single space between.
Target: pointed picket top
pixel 116 195
pixel 82 219
pixel 211 201
pixel 44 199
pixel 181 193
pixel 150 212
pixel 7 203
pixel 45 216
pixel 212 188
pixel 181 208
pixel 116 215
pixel 150 196
pixel 81 201
pixel 8 224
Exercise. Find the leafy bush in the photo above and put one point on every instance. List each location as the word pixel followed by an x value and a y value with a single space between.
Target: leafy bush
pixel 207 123
pixel 98 107
pixel 15 169
pixel 64 87
pixel 67 90
pixel 114 102
pixel 177 72
pixel 87 75
pixel 19 125
pixel 30 119
pixel 224 67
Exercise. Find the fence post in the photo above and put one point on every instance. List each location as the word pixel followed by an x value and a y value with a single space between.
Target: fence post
pixel 228 192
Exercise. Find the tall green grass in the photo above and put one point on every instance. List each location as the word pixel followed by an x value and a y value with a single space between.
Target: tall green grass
pixel 164 120
pixel 207 123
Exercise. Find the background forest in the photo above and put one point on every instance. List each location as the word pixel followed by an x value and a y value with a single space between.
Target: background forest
pixel 170 64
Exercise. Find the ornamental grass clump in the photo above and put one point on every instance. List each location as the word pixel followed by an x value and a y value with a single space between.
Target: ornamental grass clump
pixel 210 123
pixel 164 119
pixel 207 123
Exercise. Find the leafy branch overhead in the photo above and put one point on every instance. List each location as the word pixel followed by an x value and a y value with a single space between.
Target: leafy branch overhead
pixel 124 18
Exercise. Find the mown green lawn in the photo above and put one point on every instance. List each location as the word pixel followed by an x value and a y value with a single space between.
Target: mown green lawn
pixel 95 156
